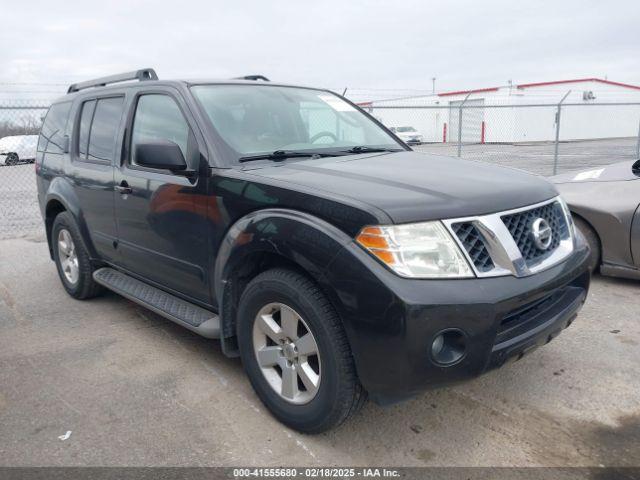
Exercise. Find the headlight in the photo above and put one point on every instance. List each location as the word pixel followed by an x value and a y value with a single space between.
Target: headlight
pixel 418 250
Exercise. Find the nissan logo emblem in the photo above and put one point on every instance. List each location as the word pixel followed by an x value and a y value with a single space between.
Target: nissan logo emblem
pixel 541 233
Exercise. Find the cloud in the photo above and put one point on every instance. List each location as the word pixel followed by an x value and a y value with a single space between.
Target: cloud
pixel 331 43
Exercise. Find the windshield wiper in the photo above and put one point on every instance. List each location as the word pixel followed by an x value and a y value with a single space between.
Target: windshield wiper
pixel 365 149
pixel 280 155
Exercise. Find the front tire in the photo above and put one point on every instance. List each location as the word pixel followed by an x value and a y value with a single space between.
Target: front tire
pixel 295 352
pixel 72 258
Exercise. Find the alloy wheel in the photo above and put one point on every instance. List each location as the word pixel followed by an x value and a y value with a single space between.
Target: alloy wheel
pixel 287 353
pixel 68 257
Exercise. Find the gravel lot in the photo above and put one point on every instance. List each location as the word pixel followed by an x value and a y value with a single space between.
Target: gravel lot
pixel 135 389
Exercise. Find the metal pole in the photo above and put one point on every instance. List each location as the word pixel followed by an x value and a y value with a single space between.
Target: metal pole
pixel 555 152
pixel 460 131
pixel 460 124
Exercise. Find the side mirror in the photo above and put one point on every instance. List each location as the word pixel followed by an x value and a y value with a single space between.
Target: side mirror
pixel 162 154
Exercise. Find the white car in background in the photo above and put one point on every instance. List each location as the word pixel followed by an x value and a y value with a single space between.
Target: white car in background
pixel 18 148
pixel 408 135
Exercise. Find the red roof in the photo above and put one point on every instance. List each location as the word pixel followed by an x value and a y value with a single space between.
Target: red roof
pixel 462 92
pixel 542 84
pixel 578 80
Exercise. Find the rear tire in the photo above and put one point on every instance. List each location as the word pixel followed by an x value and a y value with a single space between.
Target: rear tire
pixel 72 258
pixel 592 240
pixel 334 392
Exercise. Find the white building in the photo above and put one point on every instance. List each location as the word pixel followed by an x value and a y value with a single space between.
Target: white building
pixel 519 113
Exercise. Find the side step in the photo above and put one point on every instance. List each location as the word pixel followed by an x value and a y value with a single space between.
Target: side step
pixel 190 316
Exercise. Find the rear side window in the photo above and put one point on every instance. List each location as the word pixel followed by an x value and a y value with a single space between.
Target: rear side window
pixel 53 128
pixel 158 117
pixel 102 129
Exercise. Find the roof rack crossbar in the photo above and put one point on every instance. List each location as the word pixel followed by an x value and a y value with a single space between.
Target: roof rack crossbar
pixel 140 75
pixel 253 77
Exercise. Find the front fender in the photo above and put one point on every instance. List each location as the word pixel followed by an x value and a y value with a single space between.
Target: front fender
pixel 611 216
pixel 303 239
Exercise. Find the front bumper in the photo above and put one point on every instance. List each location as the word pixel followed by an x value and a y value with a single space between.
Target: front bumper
pixel 391 322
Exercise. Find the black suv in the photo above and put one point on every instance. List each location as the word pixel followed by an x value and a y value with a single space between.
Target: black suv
pixel 294 227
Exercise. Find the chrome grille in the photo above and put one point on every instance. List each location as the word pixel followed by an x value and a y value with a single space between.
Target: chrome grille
pixel 502 243
pixel 474 244
pixel 519 225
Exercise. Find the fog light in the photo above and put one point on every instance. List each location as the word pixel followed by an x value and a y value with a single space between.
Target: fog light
pixel 448 347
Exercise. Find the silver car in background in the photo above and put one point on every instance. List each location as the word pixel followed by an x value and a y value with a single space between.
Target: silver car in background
pixel 408 135
pixel 18 149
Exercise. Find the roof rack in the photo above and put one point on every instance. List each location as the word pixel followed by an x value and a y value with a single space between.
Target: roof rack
pixel 253 77
pixel 141 75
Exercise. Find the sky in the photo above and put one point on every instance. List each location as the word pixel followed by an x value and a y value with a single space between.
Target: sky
pixel 374 45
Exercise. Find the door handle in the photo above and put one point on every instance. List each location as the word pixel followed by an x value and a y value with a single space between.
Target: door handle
pixel 123 188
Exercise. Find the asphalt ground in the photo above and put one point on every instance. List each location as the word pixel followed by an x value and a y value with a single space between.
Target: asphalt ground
pixel 538 157
pixel 135 389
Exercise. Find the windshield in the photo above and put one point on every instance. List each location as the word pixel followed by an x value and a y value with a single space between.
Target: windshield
pixel 257 119
pixel 406 129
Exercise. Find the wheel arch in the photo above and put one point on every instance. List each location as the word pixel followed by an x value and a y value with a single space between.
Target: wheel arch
pixel 52 209
pixel 589 224
pixel 268 239
pixel 61 197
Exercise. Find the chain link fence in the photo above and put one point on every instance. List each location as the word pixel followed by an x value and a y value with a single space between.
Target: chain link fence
pixel 20 122
pixel 541 138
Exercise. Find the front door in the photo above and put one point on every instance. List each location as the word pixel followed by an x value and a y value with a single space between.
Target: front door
pixel 161 217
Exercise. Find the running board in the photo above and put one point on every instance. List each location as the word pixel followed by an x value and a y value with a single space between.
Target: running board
pixel 196 319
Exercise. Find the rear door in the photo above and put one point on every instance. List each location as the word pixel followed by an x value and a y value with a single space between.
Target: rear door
pixel 97 138
pixel 162 217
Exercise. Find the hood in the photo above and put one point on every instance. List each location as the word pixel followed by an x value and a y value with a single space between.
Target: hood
pixel 617 172
pixel 411 186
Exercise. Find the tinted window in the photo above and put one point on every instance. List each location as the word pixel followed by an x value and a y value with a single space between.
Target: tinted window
pixel 53 128
pixel 158 117
pixel 85 124
pixel 104 129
